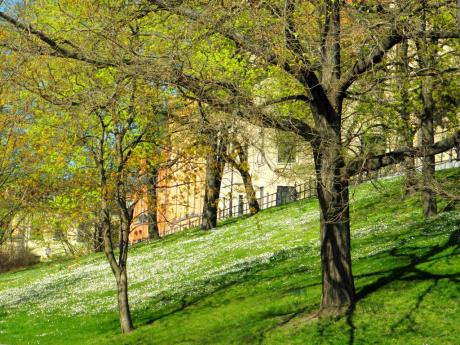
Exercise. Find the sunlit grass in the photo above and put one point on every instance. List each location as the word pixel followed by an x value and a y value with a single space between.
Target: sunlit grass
pixel 256 280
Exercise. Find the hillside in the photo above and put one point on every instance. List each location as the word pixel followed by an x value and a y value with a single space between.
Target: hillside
pixel 257 280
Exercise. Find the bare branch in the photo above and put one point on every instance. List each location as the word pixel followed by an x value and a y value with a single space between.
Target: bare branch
pixel 363 65
pixel 54 43
pixel 397 156
pixel 302 98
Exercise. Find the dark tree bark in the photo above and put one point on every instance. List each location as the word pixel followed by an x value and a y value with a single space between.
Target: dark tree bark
pixel 123 302
pixel 214 170
pixel 243 169
pixel 152 198
pixel 97 237
pixel 121 275
pixel 427 61
pixel 119 268
pixel 250 192
pixel 338 290
pixel 427 140
pixel 242 165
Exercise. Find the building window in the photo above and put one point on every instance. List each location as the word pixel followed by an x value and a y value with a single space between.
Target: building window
pixel 286 152
pixel 240 205
pixel 129 203
pixel 260 158
pixel 143 218
pixel 261 191
pixel 285 194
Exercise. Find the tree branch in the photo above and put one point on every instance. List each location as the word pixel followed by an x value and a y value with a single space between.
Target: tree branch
pixel 248 110
pixel 376 56
pixel 397 156
pixel 302 98
pixel 54 43
pixel 364 64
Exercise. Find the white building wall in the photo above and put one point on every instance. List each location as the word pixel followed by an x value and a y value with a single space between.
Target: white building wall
pixel 267 173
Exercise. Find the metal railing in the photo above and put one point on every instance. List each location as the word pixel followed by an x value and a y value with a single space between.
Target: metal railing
pixel 296 192
pixel 300 192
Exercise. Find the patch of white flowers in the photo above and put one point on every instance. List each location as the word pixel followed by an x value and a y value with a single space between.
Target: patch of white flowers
pixel 177 267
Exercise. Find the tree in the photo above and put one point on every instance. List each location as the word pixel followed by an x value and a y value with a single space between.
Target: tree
pixel 113 145
pixel 215 164
pixel 10 173
pixel 426 60
pixel 238 159
pixel 326 80
pixel 317 64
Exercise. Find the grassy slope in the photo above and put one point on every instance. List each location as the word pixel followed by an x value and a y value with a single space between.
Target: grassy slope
pixel 256 281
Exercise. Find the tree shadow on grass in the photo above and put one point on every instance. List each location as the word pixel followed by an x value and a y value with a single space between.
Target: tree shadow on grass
pixel 414 256
pixel 253 273
pixel 277 267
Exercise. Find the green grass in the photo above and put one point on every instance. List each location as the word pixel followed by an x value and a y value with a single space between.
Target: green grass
pixel 257 281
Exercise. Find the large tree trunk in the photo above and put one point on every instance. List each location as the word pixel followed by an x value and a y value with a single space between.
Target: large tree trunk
pixel 214 171
pixel 152 202
pixel 427 140
pixel 426 56
pixel 338 290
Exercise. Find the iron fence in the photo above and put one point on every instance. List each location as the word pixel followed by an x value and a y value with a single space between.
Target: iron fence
pixel 242 208
pixel 300 192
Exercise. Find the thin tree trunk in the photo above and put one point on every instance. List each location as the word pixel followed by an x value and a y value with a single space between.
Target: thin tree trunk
pixel 119 178
pixel 126 216
pixel 152 202
pixel 119 271
pixel 215 164
pixel 243 168
pixel 250 192
pixel 98 238
pixel 118 267
pixel 407 135
pixel 126 322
